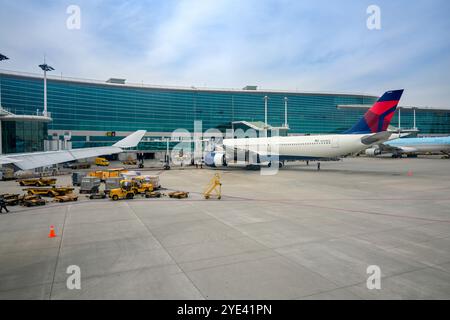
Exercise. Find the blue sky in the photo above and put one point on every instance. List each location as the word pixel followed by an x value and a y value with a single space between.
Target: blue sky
pixel 299 45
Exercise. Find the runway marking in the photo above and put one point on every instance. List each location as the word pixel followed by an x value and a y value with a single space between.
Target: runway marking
pixel 59 251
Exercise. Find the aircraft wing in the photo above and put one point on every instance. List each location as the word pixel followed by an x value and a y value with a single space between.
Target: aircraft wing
pixel 130 141
pixel 27 161
pixel 376 138
pixel 385 148
pixel 6 160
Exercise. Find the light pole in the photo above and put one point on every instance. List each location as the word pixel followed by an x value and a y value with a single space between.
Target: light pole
pixel 2 57
pixel 285 112
pixel 265 114
pixel 265 110
pixel 45 67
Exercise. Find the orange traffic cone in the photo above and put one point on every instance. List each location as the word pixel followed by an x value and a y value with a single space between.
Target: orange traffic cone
pixel 52 233
pixel 410 173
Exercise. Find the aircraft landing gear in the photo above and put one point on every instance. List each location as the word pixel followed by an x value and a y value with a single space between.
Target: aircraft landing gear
pixel 140 158
pixel 280 164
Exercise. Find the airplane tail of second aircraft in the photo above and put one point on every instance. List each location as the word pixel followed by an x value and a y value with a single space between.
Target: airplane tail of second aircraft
pixel 378 117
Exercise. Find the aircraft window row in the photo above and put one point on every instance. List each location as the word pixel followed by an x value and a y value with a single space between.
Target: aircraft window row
pixel 307 143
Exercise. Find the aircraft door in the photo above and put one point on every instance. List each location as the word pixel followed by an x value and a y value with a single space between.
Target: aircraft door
pixel 247 152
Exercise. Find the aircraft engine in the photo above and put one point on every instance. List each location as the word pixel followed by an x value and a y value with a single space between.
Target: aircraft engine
pixel 215 159
pixel 373 152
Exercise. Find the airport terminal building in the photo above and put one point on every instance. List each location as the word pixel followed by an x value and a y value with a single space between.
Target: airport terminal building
pixel 86 113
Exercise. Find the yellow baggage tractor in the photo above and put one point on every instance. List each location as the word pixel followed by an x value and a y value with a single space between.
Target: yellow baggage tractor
pixel 37 182
pixel 124 192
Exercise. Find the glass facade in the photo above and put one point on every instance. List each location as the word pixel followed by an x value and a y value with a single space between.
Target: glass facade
pixel 23 136
pixel 90 106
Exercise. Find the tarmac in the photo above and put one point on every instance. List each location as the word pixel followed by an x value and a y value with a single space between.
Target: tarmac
pixel 299 234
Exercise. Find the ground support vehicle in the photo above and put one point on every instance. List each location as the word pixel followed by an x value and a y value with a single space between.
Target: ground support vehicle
pixel 66 198
pixel 101 162
pixel 178 194
pixel 32 201
pixel 10 199
pixel 37 182
pixel 124 192
pixel 90 185
pixel 50 191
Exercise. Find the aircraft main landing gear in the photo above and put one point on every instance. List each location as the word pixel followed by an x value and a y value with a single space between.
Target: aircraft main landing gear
pixel 280 164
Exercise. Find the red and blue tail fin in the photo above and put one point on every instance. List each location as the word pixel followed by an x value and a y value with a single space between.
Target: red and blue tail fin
pixel 378 117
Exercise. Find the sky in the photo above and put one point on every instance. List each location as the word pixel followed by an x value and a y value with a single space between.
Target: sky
pixel 286 44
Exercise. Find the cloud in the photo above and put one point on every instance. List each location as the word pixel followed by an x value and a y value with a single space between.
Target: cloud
pixel 320 45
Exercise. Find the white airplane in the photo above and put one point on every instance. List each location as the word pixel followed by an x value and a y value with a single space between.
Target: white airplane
pixel 369 131
pixel 32 160
pixel 411 146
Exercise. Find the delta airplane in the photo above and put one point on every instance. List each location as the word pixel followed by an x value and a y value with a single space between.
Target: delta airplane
pixel 370 130
pixel 32 160
pixel 412 146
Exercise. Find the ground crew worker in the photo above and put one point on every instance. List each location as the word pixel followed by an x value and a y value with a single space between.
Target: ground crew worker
pixel 3 205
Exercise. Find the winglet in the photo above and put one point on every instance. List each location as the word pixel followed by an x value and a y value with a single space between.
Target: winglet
pixel 131 141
